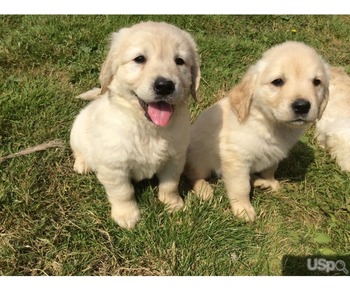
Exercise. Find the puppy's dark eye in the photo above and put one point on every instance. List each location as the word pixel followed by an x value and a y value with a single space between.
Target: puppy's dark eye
pixel 179 61
pixel 140 59
pixel 277 82
pixel 316 82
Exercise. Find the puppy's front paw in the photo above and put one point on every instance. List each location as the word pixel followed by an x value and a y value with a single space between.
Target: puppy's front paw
pixel 203 189
pixel 172 201
pixel 175 205
pixel 274 184
pixel 243 210
pixel 126 215
pixel 80 166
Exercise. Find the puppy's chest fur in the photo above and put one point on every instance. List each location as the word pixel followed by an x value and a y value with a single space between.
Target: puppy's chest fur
pixel 120 137
pixel 267 151
pixel 148 157
pixel 138 148
pixel 265 146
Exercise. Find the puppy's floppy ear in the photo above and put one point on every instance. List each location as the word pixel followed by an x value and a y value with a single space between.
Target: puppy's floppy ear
pixel 241 96
pixel 195 76
pixel 325 94
pixel 109 68
pixel 195 69
pixel 323 103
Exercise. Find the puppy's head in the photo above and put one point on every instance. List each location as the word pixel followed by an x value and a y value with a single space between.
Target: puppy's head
pixel 155 66
pixel 289 84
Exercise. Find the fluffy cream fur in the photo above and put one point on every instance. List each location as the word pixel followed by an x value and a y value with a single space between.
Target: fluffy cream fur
pixel 248 133
pixel 114 135
pixel 333 129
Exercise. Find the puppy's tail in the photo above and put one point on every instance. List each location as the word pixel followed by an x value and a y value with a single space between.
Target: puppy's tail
pixel 91 94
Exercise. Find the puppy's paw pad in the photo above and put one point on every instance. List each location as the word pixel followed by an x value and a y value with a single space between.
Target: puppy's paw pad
pixel 244 211
pixel 203 190
pixel 126 219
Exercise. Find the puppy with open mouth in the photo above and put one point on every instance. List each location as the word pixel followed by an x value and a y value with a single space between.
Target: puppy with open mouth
pixel 138 124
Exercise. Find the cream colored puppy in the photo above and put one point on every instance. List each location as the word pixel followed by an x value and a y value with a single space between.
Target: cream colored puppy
pixel 139 125
pixel 251 130
pixel 333 129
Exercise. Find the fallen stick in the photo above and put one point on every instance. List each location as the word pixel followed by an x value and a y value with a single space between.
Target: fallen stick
pixel 41 147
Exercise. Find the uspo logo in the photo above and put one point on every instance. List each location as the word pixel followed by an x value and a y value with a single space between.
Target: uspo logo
pixel 327 266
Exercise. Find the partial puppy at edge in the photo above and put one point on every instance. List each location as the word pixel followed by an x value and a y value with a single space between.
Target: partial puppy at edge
pixel 333 129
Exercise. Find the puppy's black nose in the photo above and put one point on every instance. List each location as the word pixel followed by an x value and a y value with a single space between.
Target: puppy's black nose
pixel 301 106
pixel 163 86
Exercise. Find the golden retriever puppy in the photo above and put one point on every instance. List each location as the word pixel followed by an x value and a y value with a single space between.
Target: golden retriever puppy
pixel 246 134
pixel 333 129
pixel 139 124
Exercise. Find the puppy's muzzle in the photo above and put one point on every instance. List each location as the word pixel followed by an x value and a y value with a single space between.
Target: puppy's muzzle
pixel 163 87
pixel 161 110
pixel 301 107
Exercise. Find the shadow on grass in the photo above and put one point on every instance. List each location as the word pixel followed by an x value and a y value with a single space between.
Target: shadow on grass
pixel 313 265
pixel 143 186
pixel 295 166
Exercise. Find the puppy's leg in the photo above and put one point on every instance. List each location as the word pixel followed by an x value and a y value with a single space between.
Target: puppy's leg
pixel 169 178
pixel 266 179
pixel 237 182
pixel 120 192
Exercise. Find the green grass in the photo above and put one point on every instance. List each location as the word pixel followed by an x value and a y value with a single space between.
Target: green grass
pixel 56 222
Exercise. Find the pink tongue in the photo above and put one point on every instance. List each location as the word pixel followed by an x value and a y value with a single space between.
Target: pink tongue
pixel 160 113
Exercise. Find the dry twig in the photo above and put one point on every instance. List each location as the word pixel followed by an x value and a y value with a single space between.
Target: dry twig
pixel 41 147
